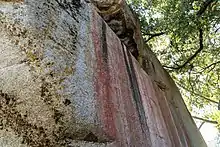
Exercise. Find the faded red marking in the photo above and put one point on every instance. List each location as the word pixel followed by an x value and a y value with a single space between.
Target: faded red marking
pixel 129 130
pixel 105 105
pixel 168 118
pixel 179 125
pixel 158 131
pixel 116 108
pixel 115 104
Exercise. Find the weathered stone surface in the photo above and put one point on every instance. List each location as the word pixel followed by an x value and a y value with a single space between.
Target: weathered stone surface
pixel 123 22
pixel 67 80
pixel 121 19
pixel 44 69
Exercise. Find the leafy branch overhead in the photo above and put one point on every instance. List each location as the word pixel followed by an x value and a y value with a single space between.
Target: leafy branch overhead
pixel 185 35
pixel 194 55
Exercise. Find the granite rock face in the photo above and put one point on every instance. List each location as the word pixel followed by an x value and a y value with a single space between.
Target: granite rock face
pixel 47 94
pixel 66 79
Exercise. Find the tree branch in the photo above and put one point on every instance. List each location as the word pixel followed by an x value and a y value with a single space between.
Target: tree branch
pixel 197 94
pixel 199 13
pixel 204 7
pixel 213 64
pixel 217 30
pixel 189 78
pixel 205 120
pixel 194 55
pixel 153 35
pixel 201 125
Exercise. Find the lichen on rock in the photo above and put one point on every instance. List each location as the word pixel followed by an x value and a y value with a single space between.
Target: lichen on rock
pixel 39 47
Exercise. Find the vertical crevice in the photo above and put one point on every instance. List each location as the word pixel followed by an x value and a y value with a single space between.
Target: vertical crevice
pixel 104 44
pixel 136 94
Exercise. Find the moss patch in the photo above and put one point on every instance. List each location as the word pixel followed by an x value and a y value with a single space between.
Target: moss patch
pixel 32 135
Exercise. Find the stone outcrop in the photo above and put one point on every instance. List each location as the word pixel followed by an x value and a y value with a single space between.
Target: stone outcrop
pixel 67 80
pixel 123 22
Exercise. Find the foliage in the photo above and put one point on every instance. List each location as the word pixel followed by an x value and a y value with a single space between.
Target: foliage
pixel 185 35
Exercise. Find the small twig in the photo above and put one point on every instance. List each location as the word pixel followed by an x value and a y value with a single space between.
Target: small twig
pixel 190 79
pixel 197 94
pixel 217 30
pixel 205 68
pixel 204 7
pixel 205 120
pixel 201 125
pixel 153 35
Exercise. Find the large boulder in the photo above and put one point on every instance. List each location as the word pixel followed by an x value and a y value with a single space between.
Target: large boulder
pixel 67 80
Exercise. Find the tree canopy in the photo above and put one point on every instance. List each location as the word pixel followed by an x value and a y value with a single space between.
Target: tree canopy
pixel 185 35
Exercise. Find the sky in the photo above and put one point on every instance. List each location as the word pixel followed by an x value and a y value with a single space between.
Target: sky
pixel 209 133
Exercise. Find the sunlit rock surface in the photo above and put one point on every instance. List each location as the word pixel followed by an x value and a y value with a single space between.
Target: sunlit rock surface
pixel 67 80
